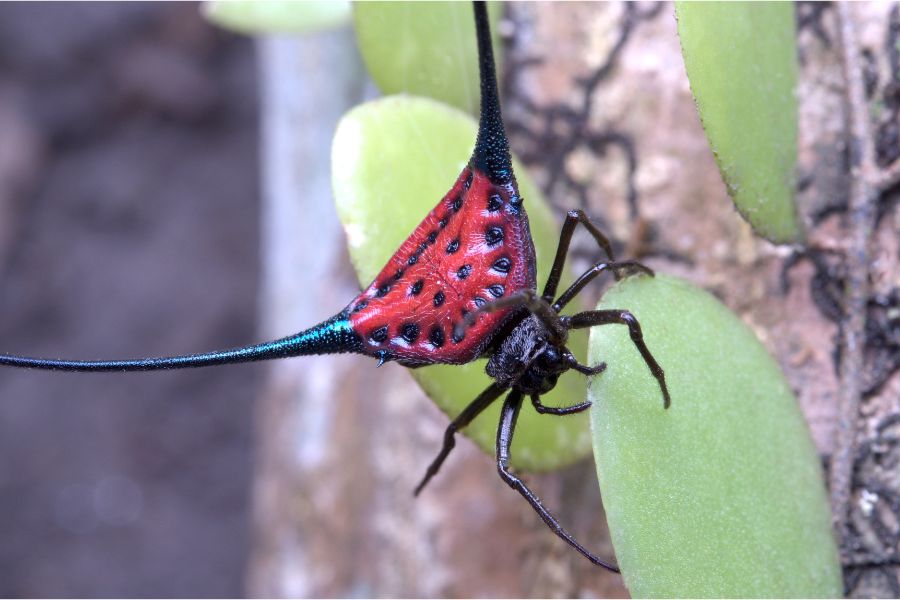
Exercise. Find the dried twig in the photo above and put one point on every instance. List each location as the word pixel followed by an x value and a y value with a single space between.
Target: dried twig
pixel 864 189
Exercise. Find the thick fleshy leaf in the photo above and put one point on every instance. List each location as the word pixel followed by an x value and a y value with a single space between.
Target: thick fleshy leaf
pixel 423 48
pixel 277 16
pixel 741 61
pixel 722 495
pixel 393 159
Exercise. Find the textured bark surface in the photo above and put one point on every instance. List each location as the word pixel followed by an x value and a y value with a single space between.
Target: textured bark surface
pixel 687 227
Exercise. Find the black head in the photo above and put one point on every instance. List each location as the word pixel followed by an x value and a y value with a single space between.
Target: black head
pixel 527 360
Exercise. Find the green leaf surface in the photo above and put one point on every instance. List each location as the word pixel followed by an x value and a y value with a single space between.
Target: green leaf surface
pixel 721 495
pixel 424 48
pixel 277 16
pixel 741 62
pixel 393 160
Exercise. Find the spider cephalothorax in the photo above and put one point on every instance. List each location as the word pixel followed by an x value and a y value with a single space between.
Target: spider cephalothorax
pixel 529 359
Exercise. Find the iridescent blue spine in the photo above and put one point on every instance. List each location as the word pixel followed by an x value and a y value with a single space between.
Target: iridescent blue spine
pixel 333 336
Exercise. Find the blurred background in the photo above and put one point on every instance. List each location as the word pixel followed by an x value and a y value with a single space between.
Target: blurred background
pixel 129 202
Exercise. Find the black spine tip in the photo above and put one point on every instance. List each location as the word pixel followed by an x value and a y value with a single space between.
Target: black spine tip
pixel 491 147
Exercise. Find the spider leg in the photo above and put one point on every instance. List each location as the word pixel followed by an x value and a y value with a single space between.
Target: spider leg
pixel 474 409
pixel 558 410
pixel 573 218
pixel 523 298
pixel 583 369
pixel 508 415
pixel 605 317
pixel 592 273
pixel 573 363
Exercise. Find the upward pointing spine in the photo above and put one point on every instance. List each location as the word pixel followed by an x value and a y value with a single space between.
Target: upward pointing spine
pixel 491 147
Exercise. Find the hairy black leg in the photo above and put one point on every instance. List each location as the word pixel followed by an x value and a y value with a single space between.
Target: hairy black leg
pixel 592 273
pixel 524 298
pixel 474 409
pixel 605 317
pixel 508 415
pixel 573 218
pixel 558 410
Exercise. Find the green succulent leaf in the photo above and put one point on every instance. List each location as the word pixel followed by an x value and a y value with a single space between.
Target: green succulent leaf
pixel 423 48
pixel 393 160
pixel 722 494
pixel 741 62
pixel 277 16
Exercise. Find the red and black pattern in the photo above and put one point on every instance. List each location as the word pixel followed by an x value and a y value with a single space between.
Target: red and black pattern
pixel 472 248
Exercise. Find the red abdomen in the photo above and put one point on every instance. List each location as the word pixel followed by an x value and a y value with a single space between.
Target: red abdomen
pixel 472 248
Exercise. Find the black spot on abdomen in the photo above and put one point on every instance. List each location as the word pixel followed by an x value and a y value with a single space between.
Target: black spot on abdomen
pixel 493 236
pixel 379 335
pixel 410 332
pixel 502 265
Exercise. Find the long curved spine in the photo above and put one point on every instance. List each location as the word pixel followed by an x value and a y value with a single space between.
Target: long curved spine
pixel 333 336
